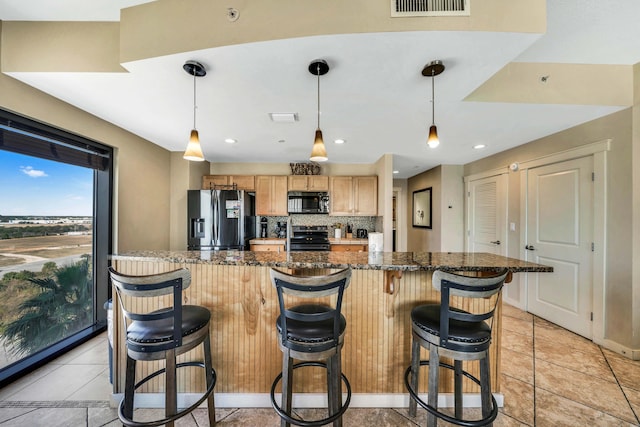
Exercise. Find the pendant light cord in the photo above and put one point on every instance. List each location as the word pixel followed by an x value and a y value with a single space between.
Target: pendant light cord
pixel 318 74
pixel 433 99
pixel 194 98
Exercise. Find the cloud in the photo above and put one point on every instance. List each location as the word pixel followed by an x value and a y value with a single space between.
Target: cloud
pixel 33 173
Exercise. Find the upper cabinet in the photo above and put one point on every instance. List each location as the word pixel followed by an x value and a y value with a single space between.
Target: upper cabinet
pixel 271 195
pixel 308 183
pixel 242 182
pixel 353 195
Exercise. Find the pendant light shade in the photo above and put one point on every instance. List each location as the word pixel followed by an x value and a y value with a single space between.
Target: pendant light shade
pixel 318 152
pixel 318 67
pixel 433 140
pixel 194 150
pixel 433 69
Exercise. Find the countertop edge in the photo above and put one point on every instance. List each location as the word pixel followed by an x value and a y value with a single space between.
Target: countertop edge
pixel 396 261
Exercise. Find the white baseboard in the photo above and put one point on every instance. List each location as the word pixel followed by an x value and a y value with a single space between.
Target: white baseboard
pixel 303 400
pixel 633 354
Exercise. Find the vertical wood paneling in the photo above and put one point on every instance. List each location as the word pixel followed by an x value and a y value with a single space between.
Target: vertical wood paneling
pixel 244 343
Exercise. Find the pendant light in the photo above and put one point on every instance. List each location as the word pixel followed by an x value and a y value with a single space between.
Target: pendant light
pixel 318 67
pixel 194 151
pixel 433 69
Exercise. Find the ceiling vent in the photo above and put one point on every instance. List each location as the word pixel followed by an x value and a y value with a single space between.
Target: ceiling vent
pixel 410 8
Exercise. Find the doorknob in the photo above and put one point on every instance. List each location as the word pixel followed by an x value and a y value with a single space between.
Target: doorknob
pixel 530 248
pixel 496 242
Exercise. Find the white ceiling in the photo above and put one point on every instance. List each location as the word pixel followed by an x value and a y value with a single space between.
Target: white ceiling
pixel 374 96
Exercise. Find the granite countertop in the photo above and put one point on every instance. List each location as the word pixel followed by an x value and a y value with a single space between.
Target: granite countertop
pixel 403 261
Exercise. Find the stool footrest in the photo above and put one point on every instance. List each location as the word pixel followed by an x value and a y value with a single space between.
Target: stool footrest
pixel 316 423
pixel 131 423
pixel 456 421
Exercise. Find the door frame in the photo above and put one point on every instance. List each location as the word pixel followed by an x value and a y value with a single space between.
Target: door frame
pixel 598 150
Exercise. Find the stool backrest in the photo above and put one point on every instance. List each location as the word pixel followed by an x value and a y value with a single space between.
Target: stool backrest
pixel 311 287
pixel 451 284
pixel 149 286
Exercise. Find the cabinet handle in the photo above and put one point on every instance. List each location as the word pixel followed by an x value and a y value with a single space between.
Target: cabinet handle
pixel 496 242
pixel 530 248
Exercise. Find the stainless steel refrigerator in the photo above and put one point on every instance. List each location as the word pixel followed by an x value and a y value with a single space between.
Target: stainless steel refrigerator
pixel 220 219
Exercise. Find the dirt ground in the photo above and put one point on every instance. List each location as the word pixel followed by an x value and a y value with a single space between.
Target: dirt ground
pixel 43 247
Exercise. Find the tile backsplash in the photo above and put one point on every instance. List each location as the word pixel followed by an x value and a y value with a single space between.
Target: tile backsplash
pixel 366 222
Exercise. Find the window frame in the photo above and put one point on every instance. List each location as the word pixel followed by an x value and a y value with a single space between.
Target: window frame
pixel 102 164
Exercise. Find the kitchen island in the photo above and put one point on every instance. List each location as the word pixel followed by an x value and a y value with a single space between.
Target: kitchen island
pixel 236 287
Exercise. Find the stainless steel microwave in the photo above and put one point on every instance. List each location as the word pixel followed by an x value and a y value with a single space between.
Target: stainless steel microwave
pixel 308 202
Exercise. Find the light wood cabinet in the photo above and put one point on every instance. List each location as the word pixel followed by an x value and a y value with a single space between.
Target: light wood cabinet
pixel 353 195
pixel 243 182
pixel 267 248
pixel 349 248
pixel 308 183
pixel 271 195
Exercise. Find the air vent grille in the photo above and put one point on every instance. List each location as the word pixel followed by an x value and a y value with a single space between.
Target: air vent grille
pixel 408 8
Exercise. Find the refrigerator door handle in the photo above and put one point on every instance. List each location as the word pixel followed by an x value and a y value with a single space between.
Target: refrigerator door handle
pixel 241 218
pixel 216 217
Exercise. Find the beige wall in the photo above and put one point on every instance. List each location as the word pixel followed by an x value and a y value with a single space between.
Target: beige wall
pixel 384 170
pixel 447 206
pixel 141 202
pixel 619 289
pixel 424 239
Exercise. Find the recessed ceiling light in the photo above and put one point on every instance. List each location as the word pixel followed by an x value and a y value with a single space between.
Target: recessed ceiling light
pixel 230 141
pixel 284 117
pixel 396 171
pixel 339 141
pixel 479 146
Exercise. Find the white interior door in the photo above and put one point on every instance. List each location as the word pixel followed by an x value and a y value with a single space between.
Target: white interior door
pixel 487 215
pixel 559 234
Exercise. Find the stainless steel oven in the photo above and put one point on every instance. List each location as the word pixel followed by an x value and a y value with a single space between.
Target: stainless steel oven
pixel 309 238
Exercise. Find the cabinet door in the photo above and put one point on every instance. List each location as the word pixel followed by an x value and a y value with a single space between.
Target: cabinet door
pixel 318 183
pixel 341 197
pixel 243 182
pixel 271 195
pixel 297 182
pixel 209 181
pixel 279 201
pixel 263 195
pixel 365 195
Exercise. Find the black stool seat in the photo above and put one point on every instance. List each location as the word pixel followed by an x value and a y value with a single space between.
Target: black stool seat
pixel 313 333
pixel 427 318
pixel 194 318
pixel 458 334
pixel 162 335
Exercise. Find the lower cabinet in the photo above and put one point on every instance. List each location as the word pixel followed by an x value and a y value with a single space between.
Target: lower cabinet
pixel 349 248
pixel 267 248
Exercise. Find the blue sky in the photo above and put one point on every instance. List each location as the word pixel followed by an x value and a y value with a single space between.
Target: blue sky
pixel 33 186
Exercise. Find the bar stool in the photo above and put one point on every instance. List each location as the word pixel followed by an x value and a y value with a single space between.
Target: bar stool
pixel 451 332
pixel 152 336
pixel 311 333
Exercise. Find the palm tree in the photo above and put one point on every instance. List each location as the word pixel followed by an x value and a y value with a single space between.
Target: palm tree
pixel 63 306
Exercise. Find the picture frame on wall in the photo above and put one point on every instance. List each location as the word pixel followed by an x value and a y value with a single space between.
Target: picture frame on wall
pixel 422 208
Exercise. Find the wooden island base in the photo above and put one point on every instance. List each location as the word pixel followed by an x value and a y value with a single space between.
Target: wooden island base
pixel 246 357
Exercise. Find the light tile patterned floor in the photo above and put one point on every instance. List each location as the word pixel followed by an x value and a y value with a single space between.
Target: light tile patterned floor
pixel 550 377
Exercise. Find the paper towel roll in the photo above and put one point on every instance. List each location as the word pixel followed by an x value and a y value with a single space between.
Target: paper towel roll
pixel 375 242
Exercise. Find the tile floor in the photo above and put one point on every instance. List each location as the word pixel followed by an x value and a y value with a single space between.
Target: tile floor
pixel 551 377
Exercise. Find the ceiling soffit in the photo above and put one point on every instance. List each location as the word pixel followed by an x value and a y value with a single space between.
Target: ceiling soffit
pixel 540 83
pixel 167 27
